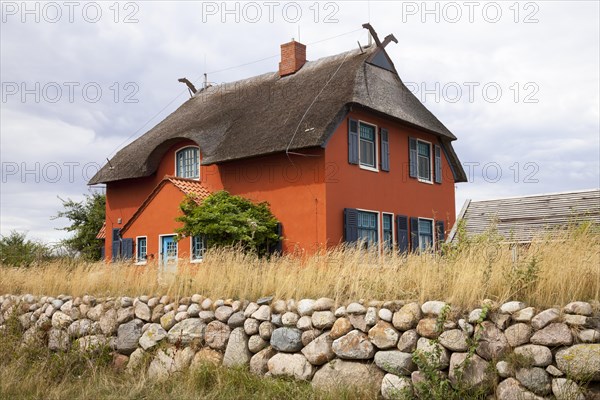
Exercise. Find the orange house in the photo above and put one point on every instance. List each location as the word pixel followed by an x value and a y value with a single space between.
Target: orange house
pixel 339 147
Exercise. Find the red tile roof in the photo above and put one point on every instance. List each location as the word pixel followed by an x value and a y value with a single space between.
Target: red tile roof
pixel 190 187
pixel 102 232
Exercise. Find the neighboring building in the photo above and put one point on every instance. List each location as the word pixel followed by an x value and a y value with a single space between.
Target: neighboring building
pixel 339 147
pixel 522 219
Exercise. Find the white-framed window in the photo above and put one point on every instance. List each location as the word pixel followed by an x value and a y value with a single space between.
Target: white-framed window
pixel 368 227
pixel 387 225
pixel 141 249
pixel 424 161
pixel 425 234
pixel 187 163
pixel 198 248
pixel 367 146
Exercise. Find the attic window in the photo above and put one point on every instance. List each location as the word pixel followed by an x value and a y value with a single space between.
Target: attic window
pixel 187 162
pixel 381 60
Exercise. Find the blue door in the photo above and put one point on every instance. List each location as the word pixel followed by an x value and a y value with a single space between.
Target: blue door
pixel 169 251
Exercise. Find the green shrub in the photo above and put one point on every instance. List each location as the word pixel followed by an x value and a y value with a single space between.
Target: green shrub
pixel 18 251
pixel 227 220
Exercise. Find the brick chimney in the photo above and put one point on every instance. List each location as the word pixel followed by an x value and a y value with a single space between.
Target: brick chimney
pixel 293 57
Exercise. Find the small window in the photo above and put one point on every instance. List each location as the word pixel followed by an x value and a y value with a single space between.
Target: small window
pixel 425 234
pixel 388 237
pixel 424 161
pixel 198 248
pixel 367 146
pixel 367 228
pixel 188 163
pixel 141 249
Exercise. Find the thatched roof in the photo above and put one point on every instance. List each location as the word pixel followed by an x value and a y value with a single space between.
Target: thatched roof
pixel 522 219
pixel 268 114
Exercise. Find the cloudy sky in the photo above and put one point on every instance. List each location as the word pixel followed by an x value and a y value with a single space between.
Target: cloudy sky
pixel 518 83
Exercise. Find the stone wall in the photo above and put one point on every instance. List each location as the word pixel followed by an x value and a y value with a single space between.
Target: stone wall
pixel 509 350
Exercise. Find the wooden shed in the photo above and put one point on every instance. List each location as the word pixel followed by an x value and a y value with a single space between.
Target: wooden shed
pixel 521 219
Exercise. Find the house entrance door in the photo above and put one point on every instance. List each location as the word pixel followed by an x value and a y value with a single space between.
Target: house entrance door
pixel 169 252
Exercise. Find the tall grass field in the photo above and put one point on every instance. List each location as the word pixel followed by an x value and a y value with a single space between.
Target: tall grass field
pixel 553 271
pixel 563 267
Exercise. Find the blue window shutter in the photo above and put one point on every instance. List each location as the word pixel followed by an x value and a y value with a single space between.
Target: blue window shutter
pixel 350 225
pixel 402 233
pixel 412 157
pixel 116 244
pixel 438 164
pixel 440 232
pixel 352 141
pixel 414 233
pixel 385 150
pixel 127 245
pixel 116 250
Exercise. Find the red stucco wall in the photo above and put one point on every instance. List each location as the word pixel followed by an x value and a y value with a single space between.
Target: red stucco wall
pixel 123 198
pixel 307 192
pixel 349 186
pixel 294 188
pixel 158 218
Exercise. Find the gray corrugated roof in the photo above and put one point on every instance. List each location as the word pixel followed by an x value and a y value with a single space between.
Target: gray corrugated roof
pixel 267 114
pixel 520 219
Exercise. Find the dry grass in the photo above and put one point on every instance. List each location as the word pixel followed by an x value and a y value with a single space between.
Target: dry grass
pixel 549 272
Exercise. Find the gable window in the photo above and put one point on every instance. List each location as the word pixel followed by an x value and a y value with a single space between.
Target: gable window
pixel 187 162
pixel 198 248
pixel 367 150
pixel 141 249
pixel 424 161
pixel 388 237
pixel 367 227
pixel 425 234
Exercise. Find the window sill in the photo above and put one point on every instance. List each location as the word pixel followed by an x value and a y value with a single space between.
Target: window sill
pixel 196 261
pixel 425 181
pixel 366 168
pixel 141 263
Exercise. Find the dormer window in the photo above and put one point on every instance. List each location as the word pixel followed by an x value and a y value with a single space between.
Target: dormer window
pixel 187 163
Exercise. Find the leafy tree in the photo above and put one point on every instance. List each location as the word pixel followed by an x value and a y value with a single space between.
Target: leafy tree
pixel 86 219
pixel 227 220
pixel 18 251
